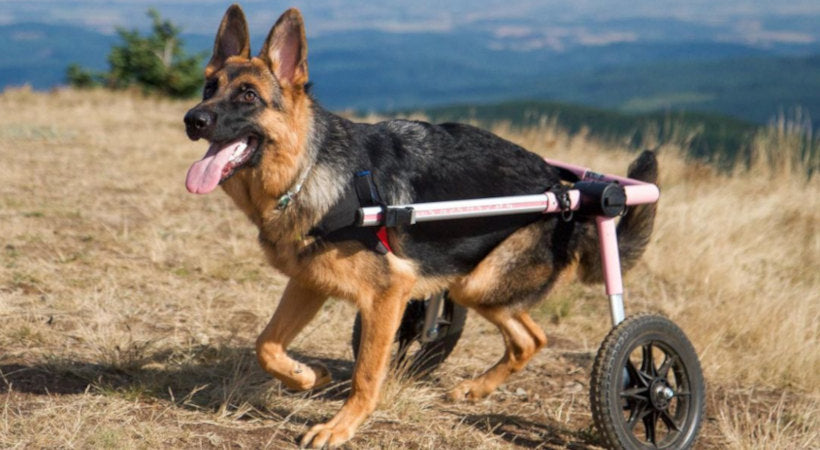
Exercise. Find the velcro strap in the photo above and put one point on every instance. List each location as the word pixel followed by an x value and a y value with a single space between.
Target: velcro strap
pixel 366 189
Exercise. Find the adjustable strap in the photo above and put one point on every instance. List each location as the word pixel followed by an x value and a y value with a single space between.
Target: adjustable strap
pixel 366 189
pixel 369 196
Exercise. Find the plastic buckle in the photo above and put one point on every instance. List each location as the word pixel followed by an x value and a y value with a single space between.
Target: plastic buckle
pixel 394 217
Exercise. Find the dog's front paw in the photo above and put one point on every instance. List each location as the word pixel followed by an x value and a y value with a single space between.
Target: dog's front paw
pixel 326 436
pixel 469 390
pixel 304 377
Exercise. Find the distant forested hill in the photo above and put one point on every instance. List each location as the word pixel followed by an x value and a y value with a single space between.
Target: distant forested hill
pixel 376 71
pixel 713 137
pixel 755 88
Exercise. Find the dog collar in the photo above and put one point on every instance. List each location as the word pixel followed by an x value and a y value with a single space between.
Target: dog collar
pixel 287 198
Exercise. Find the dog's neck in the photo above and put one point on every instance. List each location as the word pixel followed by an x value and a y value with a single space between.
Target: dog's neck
pixel 312 185
pixel 289 197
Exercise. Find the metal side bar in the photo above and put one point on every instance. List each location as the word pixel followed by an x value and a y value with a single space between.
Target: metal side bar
pixel 462 209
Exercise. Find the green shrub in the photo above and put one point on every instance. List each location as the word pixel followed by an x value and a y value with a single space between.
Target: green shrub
pixel 155 63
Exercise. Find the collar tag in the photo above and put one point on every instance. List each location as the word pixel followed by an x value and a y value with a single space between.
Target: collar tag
pixel 284 201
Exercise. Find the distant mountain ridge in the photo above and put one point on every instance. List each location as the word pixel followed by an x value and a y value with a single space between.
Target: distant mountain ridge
pixel 376 71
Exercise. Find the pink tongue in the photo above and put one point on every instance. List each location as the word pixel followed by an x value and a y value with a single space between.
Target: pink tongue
pixel 205 174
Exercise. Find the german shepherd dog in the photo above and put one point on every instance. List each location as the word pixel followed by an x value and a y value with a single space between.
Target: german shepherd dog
pixel 288 163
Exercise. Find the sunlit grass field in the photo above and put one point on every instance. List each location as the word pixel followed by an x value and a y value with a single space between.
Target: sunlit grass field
pixel 129 308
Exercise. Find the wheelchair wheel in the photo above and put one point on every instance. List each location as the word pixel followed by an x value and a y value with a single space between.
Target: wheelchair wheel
pixel 415 356
pixel 647 388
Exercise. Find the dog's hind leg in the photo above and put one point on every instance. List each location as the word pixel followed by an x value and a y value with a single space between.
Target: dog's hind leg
pixel 296 308
pixel 522 338
pixel 516 274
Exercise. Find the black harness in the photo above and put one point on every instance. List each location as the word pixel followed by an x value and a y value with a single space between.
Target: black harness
pixel 341 222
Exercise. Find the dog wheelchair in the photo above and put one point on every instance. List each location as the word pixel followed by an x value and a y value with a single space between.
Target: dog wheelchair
pixel 646 388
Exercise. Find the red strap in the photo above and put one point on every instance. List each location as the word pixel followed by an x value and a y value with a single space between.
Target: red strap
pixel 381 233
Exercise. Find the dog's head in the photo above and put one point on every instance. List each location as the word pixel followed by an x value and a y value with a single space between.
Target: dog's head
pixel 254 110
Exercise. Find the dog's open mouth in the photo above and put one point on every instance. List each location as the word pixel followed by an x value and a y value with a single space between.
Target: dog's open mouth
pixel 219 163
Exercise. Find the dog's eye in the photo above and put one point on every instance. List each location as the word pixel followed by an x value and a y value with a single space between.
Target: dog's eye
pixel 249 95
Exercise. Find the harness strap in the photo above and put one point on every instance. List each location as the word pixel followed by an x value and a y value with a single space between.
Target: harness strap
pixel 340 223
pixel 366 189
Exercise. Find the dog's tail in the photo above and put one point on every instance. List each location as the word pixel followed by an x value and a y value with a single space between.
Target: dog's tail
pixel 634 229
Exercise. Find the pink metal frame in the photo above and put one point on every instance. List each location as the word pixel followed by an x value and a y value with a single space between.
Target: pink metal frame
pixel 637 192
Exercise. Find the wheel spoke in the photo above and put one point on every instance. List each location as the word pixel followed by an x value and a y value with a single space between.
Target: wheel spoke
pixel 648 360
pixel 667 363
pixel 636 393
pixel 649 421
pixel 669 421
pixel 638 412
pixel 638 377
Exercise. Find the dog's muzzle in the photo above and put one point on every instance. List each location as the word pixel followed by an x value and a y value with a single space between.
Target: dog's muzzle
pixel 199 123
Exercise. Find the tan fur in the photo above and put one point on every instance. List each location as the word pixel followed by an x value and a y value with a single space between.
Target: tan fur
pixel 479 288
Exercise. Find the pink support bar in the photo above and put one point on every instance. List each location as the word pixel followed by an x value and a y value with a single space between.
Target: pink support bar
pixel 579 171
pixel 608 240
pixel 637 192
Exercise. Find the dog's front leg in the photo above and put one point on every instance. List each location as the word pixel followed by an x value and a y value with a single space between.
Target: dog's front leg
pixel 380 320
pixel 298 306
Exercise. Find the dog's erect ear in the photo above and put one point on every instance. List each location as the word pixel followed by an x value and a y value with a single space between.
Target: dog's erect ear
pixel 285 49
pixel 231 40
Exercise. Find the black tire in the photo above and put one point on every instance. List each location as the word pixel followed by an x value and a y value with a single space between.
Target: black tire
pixel 418 358
pixel 640 401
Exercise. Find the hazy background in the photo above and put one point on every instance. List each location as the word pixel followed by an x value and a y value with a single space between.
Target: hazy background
pixel 748 59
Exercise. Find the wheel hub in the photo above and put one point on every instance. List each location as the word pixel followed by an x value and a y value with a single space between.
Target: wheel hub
pixel 660 394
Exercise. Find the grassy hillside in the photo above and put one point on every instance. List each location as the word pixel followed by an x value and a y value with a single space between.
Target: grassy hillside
pixel 130 307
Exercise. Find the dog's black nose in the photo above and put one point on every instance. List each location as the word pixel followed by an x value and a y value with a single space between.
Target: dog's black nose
pixel 198 123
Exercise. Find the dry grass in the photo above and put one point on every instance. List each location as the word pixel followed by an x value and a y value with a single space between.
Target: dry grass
pixel 129 307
